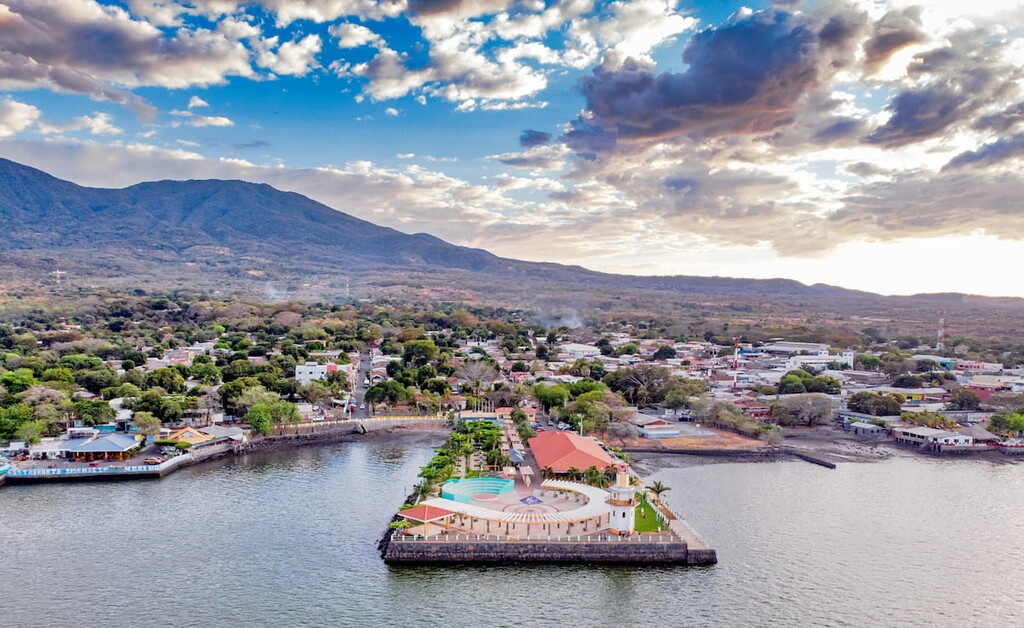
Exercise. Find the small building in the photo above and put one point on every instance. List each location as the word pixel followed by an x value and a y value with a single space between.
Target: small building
pixel 189 435
pixel 310 371
pixel 867 429
pixel 578 351
pixel 915 435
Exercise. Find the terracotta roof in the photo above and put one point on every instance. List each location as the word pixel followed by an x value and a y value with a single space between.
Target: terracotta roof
pixel 561 450
pixel 425 513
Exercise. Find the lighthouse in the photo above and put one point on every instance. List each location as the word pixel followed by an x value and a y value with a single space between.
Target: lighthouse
pixel 621 504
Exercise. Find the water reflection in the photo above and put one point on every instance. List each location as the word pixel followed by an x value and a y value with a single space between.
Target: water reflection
pixel 289 538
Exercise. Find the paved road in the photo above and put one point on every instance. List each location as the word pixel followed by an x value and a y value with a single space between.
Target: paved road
pixel 359 391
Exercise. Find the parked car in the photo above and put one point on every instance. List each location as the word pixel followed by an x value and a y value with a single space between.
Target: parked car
pixel 154 460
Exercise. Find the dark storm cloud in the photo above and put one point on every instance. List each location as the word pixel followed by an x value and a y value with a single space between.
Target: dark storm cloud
pixel 1003 121
pixel 530 138
pixel 840 130
pixel 958 81
pixel 896 30
pixel 990 154
pixel 747 76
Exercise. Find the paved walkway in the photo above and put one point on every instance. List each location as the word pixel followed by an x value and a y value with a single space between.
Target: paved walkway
pixel 594 508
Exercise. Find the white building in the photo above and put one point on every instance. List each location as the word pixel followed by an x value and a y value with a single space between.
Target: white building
pixel 578 351
pixel 784 346
pixel 821 360
pixel 306 373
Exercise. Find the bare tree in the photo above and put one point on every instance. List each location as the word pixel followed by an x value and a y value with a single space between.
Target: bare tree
pixel 477 371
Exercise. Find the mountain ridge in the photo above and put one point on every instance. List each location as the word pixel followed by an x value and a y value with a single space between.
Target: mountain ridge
pixel 268 231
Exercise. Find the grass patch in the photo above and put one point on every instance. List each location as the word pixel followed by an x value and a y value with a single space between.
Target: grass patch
pixel 472 473
pixel 647 518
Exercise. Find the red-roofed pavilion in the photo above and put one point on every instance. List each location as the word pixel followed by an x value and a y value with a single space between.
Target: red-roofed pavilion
pixel 562 450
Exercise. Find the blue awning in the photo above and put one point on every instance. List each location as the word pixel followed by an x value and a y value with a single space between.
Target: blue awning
pixel 516 456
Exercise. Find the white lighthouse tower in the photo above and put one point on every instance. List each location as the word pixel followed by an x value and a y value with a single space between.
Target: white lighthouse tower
pixel 621 503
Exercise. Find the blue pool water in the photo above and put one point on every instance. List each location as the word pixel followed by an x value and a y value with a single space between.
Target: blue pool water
pixel 462 491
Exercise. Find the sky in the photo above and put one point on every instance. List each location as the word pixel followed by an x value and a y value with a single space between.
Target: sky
pixel 877 145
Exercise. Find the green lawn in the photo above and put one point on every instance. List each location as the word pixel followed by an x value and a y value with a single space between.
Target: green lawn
pixel 646 518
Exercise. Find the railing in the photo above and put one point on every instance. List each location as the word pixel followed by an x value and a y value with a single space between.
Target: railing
pixel 599 538
pixel 82 471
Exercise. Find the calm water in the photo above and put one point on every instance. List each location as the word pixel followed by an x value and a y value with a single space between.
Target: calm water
pixel 289 540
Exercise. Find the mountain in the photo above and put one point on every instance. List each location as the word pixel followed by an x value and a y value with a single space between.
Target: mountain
pixel 235 233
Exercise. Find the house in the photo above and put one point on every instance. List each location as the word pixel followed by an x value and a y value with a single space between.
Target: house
pixel 189 435
pixel 644 421
pixel 867 429
pixel 561 451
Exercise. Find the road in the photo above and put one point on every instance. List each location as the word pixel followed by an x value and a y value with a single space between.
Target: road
pixel 359 389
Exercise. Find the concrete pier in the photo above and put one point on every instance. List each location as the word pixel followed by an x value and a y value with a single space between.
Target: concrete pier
pixel 631 551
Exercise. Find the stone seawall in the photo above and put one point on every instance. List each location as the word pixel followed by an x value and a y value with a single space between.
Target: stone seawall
pixel 540 552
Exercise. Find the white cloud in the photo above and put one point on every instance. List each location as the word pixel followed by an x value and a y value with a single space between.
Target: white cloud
pixel 16 116
pixel 196 102
pixel 210 121
pixel 97 124
pixel 391 111
pixel 355 36
pixel 292 58
pixel 52 43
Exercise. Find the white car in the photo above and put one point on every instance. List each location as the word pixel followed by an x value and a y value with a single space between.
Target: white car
pixel 362 406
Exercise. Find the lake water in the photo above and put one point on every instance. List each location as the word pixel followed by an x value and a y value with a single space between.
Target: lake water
pixel 289 539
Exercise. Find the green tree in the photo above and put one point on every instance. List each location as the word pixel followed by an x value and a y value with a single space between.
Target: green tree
pixel 658 488
pixel 31 431
pixel 18 380
pixel 259 418
pixel 419 352
pixel 387 392
pixel 148 424
pixel 963 399
pixel 664 352
pixel 551 396
pixel 94 412
pixel 13 417
pixel 166 378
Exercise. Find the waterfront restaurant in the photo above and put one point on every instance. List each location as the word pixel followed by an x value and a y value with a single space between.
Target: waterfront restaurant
pixel 109 447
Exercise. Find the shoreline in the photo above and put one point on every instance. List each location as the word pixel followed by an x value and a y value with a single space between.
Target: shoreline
pixel 264 445
pixel 822 446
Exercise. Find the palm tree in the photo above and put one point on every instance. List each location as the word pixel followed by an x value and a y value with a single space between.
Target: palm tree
pixel 601 481
pixel 423 490
pixel 547 472
pixel 573 472
pixel 590 475
pixel 657 489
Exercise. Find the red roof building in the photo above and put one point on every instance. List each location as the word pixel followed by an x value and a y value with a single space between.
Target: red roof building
pixel 426 514
pixel 562 450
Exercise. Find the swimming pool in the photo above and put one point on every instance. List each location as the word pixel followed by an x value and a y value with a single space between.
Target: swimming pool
pixel 462 491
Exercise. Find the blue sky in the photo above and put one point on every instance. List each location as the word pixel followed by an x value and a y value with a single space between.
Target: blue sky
pixel 820 140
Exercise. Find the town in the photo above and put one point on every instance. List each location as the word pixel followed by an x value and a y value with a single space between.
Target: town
pixel 143 385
